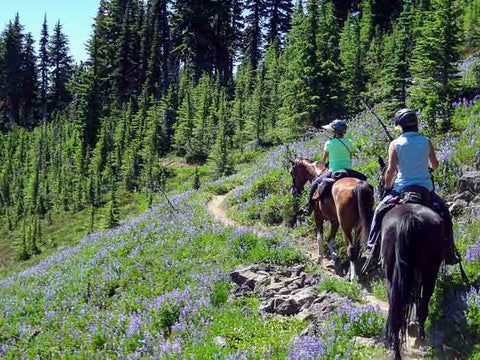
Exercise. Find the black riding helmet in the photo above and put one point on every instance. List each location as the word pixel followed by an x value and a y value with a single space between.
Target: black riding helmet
pixel 338 126
pixel 405 117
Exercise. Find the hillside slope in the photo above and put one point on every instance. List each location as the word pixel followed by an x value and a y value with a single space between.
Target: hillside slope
pixel 158 286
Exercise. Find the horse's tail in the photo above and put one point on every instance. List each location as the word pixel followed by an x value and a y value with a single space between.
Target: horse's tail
pixel 410 232
pixel 364 194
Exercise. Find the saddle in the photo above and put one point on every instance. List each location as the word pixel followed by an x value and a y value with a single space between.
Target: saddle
pixel 414 194
pixel 325 187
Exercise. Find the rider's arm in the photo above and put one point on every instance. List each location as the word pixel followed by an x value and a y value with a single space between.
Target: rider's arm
pixel 325 157
pixel 392 166
pixel 432 157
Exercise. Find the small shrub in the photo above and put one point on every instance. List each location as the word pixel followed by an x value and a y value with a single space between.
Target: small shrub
pixel 271 213
pixel 219 294
pixel 351 290
pixel 290 209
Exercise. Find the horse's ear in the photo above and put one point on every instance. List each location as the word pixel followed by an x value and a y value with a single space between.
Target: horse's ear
pixel 381 162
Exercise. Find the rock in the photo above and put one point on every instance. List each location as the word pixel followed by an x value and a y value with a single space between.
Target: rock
pixel 475 212
pixel 243 290
pixel 476 200
pixel 285 291
pixel 286 306
pixel 247 312
pixel 296 284
pixel 306 296
pixel 457 207
pixel 248 277
pixel 220 341
pixel 466 195
pixel 470 181
pixel 367 341
pixel 267 306
pixel 312 279
pixel 273 289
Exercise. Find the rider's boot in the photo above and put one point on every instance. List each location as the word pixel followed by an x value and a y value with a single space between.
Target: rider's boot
pixel 372 258
pixel 306 210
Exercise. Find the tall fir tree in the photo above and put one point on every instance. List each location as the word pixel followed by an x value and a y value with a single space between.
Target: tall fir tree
pixel 352 65
pixel 29 84
pixel 328 53
pixel 61 65
pixel 13 40
pixel 253 36
pixel 279 14
pixel 43 68
pixel 435 55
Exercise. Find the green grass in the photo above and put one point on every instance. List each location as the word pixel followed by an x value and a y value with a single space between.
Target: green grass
pixel 243 329
pixel 341 286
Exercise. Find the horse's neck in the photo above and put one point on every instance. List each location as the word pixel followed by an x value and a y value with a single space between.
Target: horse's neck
pixel 312 171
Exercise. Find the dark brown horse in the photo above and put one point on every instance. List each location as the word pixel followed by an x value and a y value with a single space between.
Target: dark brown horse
pixel 412 252
pixel 350 207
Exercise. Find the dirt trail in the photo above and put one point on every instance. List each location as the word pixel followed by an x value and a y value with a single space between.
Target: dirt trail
pixel 216 206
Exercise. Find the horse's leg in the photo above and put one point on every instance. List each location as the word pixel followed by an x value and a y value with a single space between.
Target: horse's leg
pixel 351 252
pixel 319 229
pixel 333 231
pixel 422 311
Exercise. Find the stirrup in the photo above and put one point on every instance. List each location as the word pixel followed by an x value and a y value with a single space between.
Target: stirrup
pixel 372 261
pixel 305 211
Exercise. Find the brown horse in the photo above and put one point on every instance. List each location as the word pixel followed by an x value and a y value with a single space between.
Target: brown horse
pixel 350 207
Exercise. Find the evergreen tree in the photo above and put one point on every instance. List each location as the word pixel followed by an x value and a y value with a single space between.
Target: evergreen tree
pixel 273 70
pixel 257 126
pixel 471 25
pixel 351 57
pixel 398 55
pixel 434 63
pixel 196 179
pixel 366 25
pixel 43 68
pixel 279 13
pixel 29 84
pixel 13 40
pixel 61 64
pixel 237 27
pixel 241 102
pixel 328 53
pixel 295 83
pixel 113 219
pixel 222 151
pixel 185 119
pixel 253 37
pixel 125 74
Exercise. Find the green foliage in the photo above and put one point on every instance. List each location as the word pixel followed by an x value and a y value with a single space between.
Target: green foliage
pixel 196 180
pixel 434 63
pixel 343 287
pixel 219 294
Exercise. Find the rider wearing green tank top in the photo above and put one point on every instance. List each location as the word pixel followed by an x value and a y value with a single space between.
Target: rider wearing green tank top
pixel 337 153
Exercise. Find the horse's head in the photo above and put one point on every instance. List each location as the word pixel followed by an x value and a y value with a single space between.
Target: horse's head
pixel 381 178
pixel 302 171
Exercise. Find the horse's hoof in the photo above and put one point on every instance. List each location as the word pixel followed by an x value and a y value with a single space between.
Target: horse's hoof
pixel 413 329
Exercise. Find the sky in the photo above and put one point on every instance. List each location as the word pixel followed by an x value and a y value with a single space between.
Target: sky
pixel 76 16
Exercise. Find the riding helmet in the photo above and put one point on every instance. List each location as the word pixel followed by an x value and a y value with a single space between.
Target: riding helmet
pixel 339 126
pixel 406 117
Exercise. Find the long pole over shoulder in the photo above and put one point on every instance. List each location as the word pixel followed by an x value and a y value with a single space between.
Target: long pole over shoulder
pixel 379 120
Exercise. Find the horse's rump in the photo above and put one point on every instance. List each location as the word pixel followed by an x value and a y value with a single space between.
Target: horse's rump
pixel 412 248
